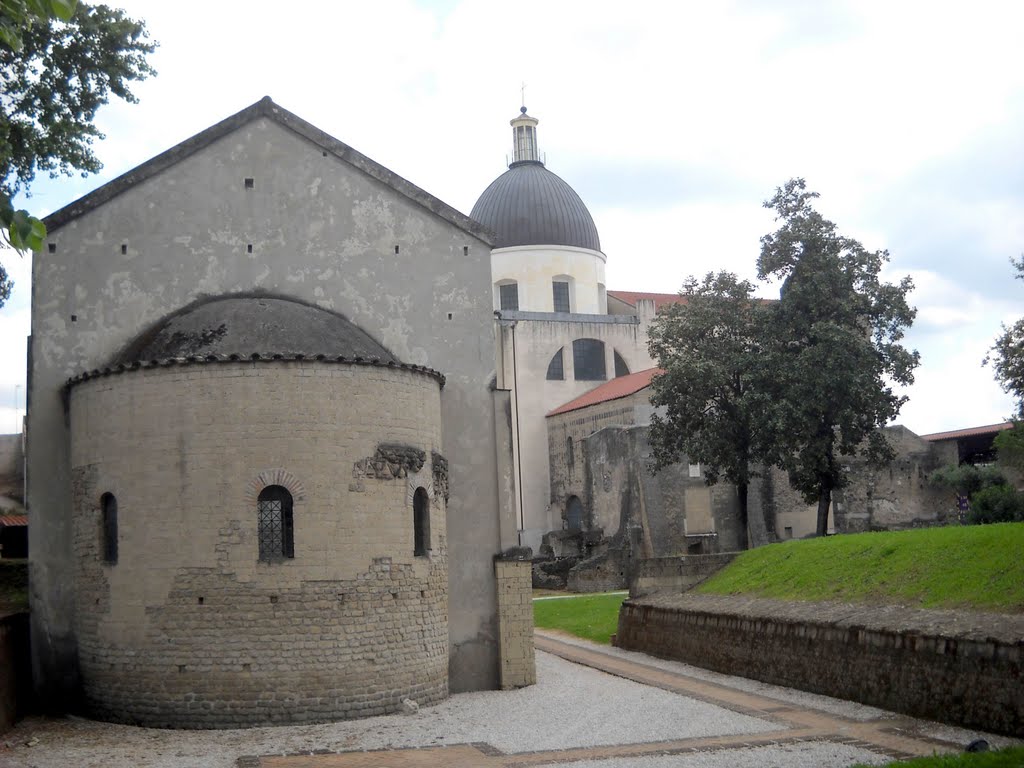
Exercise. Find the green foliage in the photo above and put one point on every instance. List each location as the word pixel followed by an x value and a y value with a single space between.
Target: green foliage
pixel 967 479
pixel 836 353
pixel 1009 445
pixel 1007 354
pixel 592 617
pixel 996 504
pixel 1011 757
pixel 977 567
pixel 60 61
pixel 710 349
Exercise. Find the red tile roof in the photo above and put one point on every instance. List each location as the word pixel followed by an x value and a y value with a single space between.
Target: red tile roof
pixel 623 386
pixel 660 299
pixel 13 520
pixel 956 434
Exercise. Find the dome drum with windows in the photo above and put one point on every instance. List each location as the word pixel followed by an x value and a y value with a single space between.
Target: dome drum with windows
pixel 252 478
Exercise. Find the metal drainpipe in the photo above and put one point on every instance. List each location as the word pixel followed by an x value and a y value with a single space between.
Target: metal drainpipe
pixel 519 444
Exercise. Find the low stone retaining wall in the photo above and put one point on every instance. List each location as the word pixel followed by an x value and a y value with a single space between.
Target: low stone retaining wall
pixel 15 668
pixel 675 574
pixel 957 667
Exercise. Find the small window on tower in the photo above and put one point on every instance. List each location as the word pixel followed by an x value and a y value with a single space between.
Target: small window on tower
pixel 508 295
pixel 561 295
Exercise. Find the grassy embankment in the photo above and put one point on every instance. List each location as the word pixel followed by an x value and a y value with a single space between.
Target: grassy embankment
pixel 978 566
pixel 592 617
pixel 1004 758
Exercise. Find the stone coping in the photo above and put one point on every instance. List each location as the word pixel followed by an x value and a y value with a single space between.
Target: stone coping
pixel 254 358
pixel 958 623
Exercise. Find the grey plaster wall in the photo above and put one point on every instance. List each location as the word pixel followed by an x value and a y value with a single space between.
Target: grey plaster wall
pixel 321 230
pixel 12 472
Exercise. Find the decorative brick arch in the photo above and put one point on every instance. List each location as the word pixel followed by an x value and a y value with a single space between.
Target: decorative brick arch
pixel 276 476
pixel 422 479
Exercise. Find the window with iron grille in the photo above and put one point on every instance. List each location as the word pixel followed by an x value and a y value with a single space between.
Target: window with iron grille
pixel 421 522
pixel 555 370
pixel 621 369
pixel 275 526
pixel 508 295
pixel 588 360
pixel 108 507
pixel 561 295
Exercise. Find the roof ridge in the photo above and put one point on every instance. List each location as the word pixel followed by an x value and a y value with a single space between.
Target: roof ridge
pixel 265 107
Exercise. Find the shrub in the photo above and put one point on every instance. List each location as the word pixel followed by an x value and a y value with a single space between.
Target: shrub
pixel 997 504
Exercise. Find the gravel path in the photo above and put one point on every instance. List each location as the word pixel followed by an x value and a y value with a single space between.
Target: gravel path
pixel 571 706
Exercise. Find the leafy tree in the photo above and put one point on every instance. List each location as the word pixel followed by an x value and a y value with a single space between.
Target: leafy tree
pixel 60 61
pixel 709 347
pixel 1007 354
pixel 1009 445
pixel 996 504
pixel 836 351
pixel 967 479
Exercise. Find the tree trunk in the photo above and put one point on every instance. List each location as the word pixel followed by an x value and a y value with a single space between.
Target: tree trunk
pixel 741 494
pixel 824 500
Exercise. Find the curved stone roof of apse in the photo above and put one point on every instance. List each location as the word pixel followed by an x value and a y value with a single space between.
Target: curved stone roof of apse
pixel 233 328
pixel 529 205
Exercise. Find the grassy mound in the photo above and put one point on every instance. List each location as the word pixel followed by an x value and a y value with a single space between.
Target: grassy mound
pixel 1012 757
pixel 592 617
pixel 977 566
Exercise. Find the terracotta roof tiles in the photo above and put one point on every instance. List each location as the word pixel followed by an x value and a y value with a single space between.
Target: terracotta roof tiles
pixel 623 386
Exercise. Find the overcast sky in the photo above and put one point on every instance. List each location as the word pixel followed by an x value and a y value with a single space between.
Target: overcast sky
pixel 674 121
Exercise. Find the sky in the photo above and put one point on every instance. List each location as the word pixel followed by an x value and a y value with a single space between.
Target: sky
pixel 674 121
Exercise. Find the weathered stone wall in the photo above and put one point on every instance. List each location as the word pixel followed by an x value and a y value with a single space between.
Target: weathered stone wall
pixel 315 226
pixel 965 669
pixel 675 574
pixel 894 497
pixel 515 623
pixel 189 628
pixel 674 512
pixel 568 465
pixel 12 473
pixel 15 668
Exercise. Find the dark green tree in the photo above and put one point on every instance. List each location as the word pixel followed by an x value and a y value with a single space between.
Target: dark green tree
pixel 836 354
pixel 60 61
pixel 710 347
pixel 1007 355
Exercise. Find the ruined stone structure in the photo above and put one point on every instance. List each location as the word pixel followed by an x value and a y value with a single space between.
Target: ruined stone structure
pixel 260 429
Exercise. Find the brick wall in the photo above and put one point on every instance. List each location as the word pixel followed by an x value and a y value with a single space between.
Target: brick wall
pixel 515 623
pixel 966 669
pixel 189 628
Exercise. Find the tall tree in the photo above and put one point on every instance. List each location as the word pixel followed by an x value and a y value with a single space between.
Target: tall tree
pixel 709 346
pixel 60 61
pixel 836 353
pixel 1007 355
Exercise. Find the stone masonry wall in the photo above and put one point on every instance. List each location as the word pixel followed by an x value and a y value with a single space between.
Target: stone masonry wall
pixel 515 623
pixel 675 574
pixel 189 628
pixel 965 669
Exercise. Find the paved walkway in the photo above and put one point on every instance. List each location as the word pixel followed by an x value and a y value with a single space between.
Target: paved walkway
pixel 795 724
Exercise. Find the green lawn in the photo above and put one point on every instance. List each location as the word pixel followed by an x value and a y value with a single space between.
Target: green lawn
pixel 976 566
pixel 1004 758
pixel 592 617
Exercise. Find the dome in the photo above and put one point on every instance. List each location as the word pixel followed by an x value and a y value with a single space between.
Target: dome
pixel 248 325
pixel 529 205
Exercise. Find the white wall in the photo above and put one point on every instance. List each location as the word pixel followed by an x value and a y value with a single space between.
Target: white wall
pixel 534 267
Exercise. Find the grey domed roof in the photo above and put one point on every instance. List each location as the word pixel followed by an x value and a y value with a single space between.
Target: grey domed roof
pixel 247 326
pixel 529 205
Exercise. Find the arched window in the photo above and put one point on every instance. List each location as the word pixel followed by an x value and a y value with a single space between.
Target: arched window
pixel 556 372
pixel 560 295
pixel 574 514
pixel 621 369
pixel 421 522
pixel 276 529
pixel 588 360
pixel 108 508
pixel 508 295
